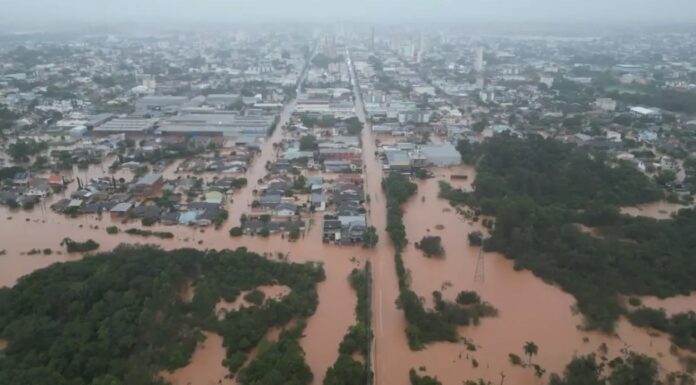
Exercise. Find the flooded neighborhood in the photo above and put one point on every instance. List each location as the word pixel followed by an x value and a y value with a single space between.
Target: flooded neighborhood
pixel 284 144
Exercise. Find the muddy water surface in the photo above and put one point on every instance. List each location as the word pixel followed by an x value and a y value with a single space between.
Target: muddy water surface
pixel 657 210
pixel 673 305
pixel 205 367
pixel 530 310
pixel 276 292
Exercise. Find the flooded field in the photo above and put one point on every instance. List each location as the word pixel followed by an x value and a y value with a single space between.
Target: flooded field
pixel 529 308
pixel 657 210
pixel 672 305
pixel 271 292
pixel 206 365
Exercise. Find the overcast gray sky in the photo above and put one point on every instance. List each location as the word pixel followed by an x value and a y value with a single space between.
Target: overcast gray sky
pixel 350 10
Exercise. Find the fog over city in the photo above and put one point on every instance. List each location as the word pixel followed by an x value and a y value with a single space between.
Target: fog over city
pixel 560 11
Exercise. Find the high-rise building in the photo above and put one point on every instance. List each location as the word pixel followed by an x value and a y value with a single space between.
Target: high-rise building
pixel 478 59
pixel 372 39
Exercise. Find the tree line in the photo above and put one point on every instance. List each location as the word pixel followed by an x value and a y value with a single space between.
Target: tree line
pixel 540 190
pixel 424 325
pixel 346 370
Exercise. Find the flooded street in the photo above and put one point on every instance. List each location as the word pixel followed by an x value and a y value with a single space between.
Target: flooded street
pixel 529 308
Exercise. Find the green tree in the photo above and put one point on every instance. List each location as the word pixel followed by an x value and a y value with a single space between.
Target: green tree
pixel 308 143
pixel 530 349
pixel 370 238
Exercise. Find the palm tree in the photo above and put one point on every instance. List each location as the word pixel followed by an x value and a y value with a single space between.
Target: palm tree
pixel 530 349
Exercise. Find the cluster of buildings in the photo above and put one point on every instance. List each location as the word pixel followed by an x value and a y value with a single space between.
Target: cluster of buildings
pixel 432 90
pixel 152 199
pixel 227 86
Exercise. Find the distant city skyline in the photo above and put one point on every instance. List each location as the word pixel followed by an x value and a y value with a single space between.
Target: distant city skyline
pixel 36 12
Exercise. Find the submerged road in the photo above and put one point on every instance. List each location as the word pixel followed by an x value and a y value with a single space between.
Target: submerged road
pixel 384 283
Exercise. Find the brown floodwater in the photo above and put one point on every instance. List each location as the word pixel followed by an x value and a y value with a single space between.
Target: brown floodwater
pixel 41 228
pixel 271 291
pixel 672 305
pixel 530 310
pixel 657 210
pixel 205 367
pixel 3 344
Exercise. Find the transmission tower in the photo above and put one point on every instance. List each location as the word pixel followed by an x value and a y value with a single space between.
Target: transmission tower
pixel 479 274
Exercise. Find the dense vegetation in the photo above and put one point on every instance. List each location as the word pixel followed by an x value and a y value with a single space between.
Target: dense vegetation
pixel 150 233
pixel 539 190
pixel 118 318
pixel 431 246
pixel 346 370
pixel 22 150
pixel 279 363
pixel 635 369
pixel 424 326
pixel 630 369
pixel 422 380
pixel 681 327
pixel 79 247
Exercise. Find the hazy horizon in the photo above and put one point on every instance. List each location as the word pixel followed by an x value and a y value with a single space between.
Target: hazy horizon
pixel 37 12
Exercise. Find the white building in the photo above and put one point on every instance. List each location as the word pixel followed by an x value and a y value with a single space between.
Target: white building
pixel 441 154
pixel 606 104
pixel 645 112
pixel 613 136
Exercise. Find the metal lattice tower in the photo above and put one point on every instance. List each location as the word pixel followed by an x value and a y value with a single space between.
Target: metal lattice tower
pixel 479 274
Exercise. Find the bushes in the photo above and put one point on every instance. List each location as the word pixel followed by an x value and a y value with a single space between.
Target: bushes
pixel 370 238
pixel 236 232
pixel 148 233
pixel 468 298
pixel 475 238
pixel 398 190
pixel 239 183
pixel 294 234
pixel 424 380
pixel 148 221
pixel 346 370
pixel 79 247
pixel 112 230
pixel 431 246
pixel 220 218
pixel 255 296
